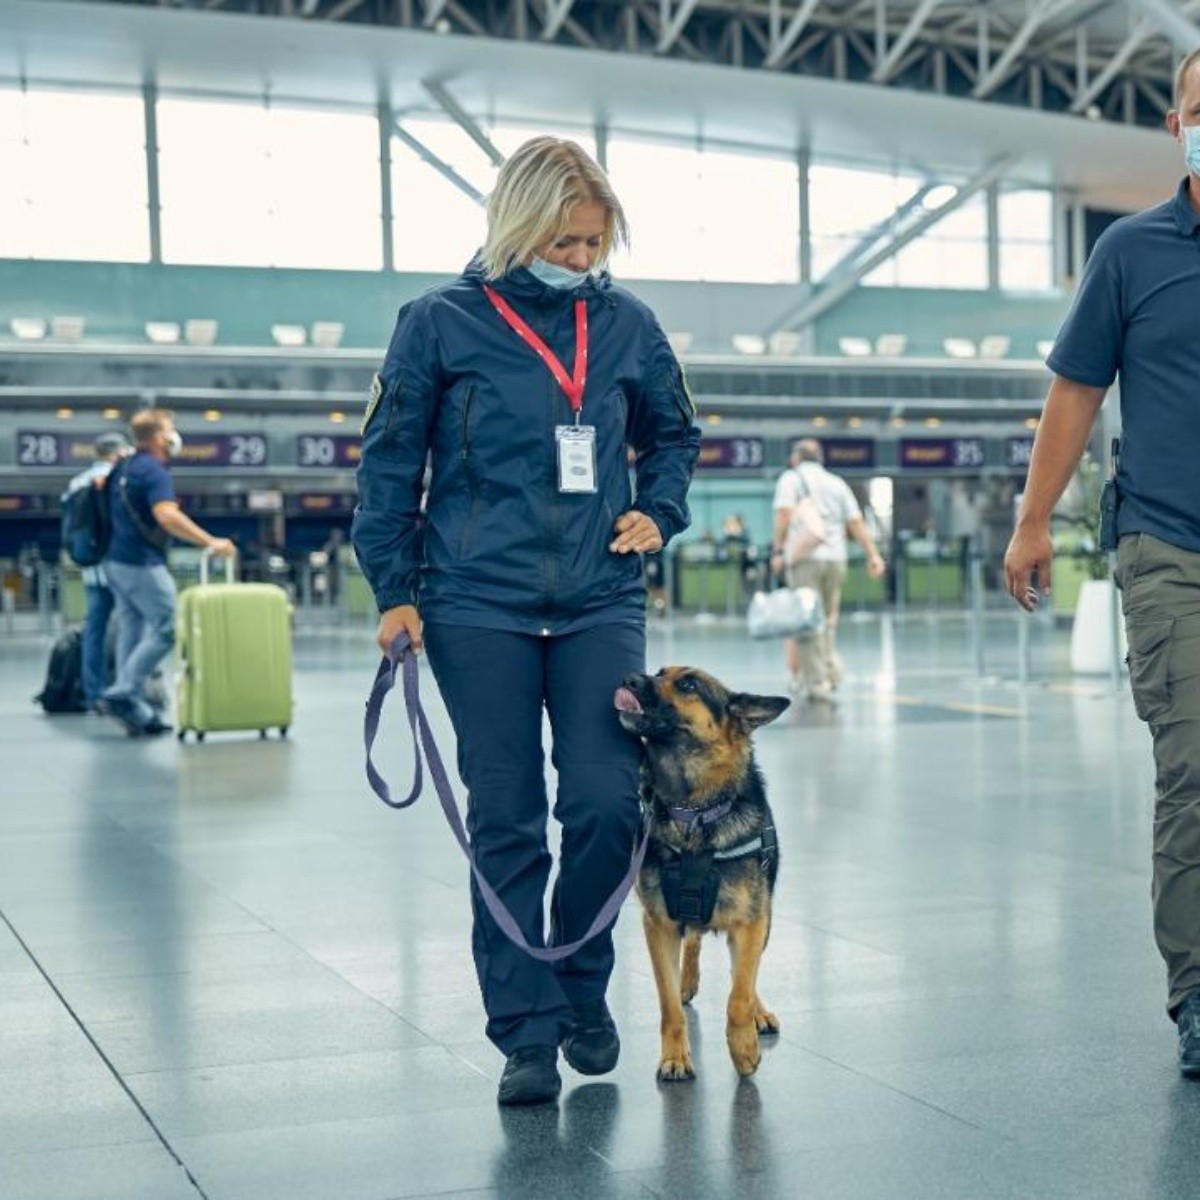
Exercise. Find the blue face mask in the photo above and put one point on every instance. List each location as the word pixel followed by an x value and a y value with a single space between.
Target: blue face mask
pixel 1191 147
pixel 555 276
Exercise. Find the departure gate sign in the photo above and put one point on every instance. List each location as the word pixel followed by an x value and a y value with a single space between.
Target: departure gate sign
pixel 941 454
pixel 328 451
pixel 731 454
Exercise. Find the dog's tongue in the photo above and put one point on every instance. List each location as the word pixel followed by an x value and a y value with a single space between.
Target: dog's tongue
pixel 626 701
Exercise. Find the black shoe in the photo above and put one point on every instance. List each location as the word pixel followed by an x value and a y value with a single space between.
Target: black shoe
pixel 530 1076
pixel 154 727
pixel 592 1046
pixel 121 711
pixel 1188 1020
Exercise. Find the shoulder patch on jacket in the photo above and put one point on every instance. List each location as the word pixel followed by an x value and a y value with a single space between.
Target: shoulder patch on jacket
pixel 372 404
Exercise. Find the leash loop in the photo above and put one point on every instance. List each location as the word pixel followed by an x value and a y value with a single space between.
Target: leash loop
pixel 400 656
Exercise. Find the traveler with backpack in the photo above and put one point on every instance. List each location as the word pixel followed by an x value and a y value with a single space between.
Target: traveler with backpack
pixel 145 514
pixel 85 541
pixel 814 512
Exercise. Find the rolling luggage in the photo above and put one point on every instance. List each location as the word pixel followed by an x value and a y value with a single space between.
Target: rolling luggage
pixel 233 653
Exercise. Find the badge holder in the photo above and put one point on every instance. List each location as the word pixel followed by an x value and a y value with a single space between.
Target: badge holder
pixel 576 458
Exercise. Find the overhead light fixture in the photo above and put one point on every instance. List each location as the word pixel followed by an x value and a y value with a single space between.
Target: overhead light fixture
pixel 1031 422
pixel 680 341
pixel 337 417
pixel 111 414
pixel 65 414
pixel 67 329
pixel 995 345
pixel 327 334
pixel 1044 347
pixel 891 345
pixel 163 333
pixel 820 422
pixel 749 343
pixel 856 347
pixel 959 347
pixel 200 331
pixel 786 343
pixel 932 422
pixel 854 422
pixel 897 422
pixel 289 335
pixel 714 419
pixel 212 414
pixel 28 329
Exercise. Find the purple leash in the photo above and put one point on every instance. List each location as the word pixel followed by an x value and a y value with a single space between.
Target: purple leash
pixel 385 679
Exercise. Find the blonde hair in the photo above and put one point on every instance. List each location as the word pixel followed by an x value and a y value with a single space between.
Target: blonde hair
pixel 145 424
pixel 537 190
pixel 1181 75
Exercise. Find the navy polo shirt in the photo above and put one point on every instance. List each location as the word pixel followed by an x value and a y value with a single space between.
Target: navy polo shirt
pixel 149 483
pixel 1137 313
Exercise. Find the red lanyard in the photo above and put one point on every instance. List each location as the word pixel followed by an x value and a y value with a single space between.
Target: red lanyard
pixel 573 386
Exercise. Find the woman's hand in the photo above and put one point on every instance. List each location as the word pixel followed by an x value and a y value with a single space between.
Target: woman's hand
pixel 403 619
pixel 636 534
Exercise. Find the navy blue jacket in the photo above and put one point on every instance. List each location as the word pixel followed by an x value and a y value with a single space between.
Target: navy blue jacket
pixel 499 546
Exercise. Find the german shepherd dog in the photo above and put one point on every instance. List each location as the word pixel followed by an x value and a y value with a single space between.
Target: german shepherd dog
pixel 712 856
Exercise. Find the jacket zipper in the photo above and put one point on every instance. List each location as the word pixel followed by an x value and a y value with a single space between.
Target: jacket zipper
pixel 468 470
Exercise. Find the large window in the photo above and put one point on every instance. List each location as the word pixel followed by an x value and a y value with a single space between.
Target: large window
pixel 72 176
pixel 257 185
pixel 1027 241
pixel 706 215
pixel 847 204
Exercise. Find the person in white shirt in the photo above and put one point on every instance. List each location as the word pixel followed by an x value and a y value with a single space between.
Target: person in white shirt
pixel 814 663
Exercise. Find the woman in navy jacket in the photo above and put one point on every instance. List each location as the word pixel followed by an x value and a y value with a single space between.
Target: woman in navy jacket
pixel 522 383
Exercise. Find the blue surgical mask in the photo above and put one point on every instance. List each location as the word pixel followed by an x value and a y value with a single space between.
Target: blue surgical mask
pixel 552 275
pixel 1191 147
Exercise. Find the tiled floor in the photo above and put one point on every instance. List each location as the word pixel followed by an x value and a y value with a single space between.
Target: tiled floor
pixel 227 971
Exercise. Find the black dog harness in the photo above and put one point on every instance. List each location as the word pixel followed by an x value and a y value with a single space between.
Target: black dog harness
pixel 690 880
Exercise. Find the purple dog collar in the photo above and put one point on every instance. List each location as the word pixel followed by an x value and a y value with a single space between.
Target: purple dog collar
pixel 700 816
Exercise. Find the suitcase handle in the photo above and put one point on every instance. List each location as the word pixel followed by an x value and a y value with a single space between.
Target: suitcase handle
pixel 206 558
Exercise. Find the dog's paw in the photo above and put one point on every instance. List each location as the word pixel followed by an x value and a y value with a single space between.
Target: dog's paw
pixel 743 1048
pixel 676 1070
pixel 688 990
pixel 766 1022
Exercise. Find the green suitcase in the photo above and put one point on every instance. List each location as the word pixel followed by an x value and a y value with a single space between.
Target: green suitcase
pixel 233 653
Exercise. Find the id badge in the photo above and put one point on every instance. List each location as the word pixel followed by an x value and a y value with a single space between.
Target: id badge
pixel 576 457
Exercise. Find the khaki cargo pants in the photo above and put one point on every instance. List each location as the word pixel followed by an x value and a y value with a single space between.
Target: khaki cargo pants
pixel 819 661
pixel 1160 591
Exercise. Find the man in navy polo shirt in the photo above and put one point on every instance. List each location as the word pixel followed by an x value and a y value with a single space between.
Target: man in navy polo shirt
pixel 145 514
pixel 1137 313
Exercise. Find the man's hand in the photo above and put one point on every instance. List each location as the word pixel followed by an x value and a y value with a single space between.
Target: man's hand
pixel 402 619
pixel 222 548
pixel 636 534
pixel 875 566
pixel 1030 550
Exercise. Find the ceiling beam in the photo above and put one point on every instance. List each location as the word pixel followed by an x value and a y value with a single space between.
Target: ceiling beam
pixel 459 115
pixel 672 26
pixel 1181 29
pixel 795 27
pixel 826 298
pixel 440 165
pixel 998 71
pixel 891 60
pixel 556 18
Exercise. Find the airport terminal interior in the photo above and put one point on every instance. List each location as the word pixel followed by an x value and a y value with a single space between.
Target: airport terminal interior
pixel 226 970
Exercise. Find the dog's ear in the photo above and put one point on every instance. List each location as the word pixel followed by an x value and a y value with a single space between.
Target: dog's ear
pixel 754 711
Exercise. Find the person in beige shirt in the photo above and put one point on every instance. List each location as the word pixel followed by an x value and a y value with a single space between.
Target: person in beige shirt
pixel 814 664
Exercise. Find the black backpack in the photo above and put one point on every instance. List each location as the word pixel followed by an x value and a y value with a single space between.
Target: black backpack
pixel 86 525
pixel 63 691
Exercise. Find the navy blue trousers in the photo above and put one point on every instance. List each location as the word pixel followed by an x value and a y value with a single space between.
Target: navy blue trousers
pixel 496 686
